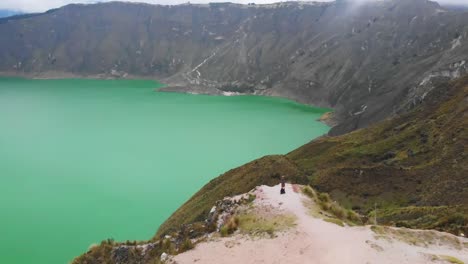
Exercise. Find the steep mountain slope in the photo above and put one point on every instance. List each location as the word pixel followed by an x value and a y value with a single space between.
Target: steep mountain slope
pixel 413 168
pixel 459 7
pixel 418 159
pixel 367 61
pixel 7 13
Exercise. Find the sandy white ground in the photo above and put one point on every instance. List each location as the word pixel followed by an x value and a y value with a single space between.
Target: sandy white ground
pixel 315 241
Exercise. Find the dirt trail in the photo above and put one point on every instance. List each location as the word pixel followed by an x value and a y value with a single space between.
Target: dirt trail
pixel 315 241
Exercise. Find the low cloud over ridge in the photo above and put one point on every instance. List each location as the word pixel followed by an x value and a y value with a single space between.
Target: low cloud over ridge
pixel 43 5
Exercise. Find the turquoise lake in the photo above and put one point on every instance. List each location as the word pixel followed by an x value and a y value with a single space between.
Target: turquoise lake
pixel 86 160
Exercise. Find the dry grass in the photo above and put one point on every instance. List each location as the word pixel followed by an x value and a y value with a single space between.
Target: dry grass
pixel 451 259
pixel 326 204
pixel 307 190
pixel 186 245
pixel 334 221
pixel 168 247
pixel 253 224
pixel 446 259
pixel 422 238
pixel 230 227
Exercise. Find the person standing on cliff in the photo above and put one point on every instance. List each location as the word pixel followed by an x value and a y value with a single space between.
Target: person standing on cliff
pixel 283 185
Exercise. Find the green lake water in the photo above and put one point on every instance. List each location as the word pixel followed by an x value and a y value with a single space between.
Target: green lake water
pixel 86 160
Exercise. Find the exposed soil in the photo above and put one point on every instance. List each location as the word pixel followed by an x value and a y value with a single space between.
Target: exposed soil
pixel 313 240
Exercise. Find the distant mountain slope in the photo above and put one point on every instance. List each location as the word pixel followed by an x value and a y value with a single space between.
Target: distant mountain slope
pixel 368 62
pixel 462 8
pixel 413 168
pixel 7 13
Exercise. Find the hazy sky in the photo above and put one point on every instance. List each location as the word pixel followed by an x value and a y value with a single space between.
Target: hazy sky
pixel 43 5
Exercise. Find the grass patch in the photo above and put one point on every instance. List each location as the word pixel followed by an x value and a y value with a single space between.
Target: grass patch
pixel 230 227
pixel 324 201
pixel 422 238
pixel 251 198
pixel 334 221
pixel 307 190
pixel 379 230
pixel 353 216
pixel 401 235
pixel 451 259
pixel 168 247
pixel 186 245
pixel 253 224
pixel 324 198
pixel 451 219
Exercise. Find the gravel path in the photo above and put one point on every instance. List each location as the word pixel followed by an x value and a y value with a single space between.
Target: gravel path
pixel 315 241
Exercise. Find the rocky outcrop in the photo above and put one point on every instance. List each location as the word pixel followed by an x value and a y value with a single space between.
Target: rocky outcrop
pixel 367 61
pixel 163 247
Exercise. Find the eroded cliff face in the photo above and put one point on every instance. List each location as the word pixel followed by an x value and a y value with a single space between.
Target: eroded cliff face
pixel 366 61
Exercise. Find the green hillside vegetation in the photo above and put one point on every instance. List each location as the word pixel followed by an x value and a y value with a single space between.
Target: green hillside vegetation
pixel 412 168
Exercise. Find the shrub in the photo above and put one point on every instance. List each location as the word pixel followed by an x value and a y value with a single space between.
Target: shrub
pixel 309 192
pixel 186 245
pixel 167 246
pixel 251 198
pixel 353 216
pixel 324 197
pixel 402 224
pixel 326 204
pixel 232 224
pixel 230 227
pixel 224 231
pixel 338 211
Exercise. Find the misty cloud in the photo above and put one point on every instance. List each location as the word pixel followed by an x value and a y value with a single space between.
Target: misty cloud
pixel 43 5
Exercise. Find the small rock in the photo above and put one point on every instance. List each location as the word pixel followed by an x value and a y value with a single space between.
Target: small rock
pixel 213 209
pixel 164 256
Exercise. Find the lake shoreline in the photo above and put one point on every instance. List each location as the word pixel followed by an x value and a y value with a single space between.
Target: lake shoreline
pixel 169 86
pixel 55 75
